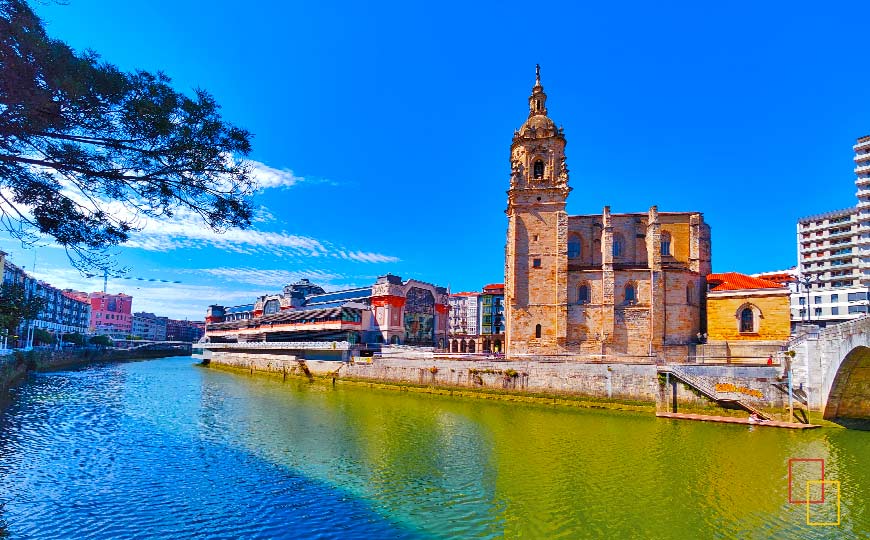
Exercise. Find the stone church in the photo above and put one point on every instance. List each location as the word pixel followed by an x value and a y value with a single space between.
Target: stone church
pixel 614 284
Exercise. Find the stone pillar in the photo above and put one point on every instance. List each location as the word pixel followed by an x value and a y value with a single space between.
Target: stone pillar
pixel 657 308
pixel 700 262
pixel 561 292
pixel 608 312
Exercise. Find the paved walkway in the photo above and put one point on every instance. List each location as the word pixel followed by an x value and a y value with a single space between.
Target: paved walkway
pixel 734 420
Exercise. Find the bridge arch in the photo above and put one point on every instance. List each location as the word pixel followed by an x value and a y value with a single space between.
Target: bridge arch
pixel 850 389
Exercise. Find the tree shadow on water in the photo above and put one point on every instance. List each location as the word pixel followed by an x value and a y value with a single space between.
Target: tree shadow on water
pixel 4 528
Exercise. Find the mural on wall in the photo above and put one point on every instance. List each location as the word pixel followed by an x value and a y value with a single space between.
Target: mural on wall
pixel 419 317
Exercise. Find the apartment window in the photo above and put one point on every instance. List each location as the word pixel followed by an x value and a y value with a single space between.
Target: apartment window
pixel 536 263
pixel 857 309
pixel 817 300
pixel 818 312
pixel 835 311
pixel 857 297
pixel 802 301
pixel 835 298
pixel 802 313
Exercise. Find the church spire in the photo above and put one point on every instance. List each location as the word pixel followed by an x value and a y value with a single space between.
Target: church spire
pixel 538 99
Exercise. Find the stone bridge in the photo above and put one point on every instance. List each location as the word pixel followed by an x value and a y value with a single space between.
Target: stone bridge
pixel 180 346
pixel 833 368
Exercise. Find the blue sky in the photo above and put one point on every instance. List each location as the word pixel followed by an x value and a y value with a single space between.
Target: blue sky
pixel 387 128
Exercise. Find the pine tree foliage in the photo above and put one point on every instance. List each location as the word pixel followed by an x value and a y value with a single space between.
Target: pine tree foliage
pixel 88 150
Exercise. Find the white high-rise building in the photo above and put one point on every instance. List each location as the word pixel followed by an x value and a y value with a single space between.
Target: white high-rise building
pixel 463 314
pixel 834 256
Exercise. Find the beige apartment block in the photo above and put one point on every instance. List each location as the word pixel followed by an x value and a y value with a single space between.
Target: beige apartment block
pixel 615 284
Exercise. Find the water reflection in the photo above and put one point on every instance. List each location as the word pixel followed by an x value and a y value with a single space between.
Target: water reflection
pixel 211 453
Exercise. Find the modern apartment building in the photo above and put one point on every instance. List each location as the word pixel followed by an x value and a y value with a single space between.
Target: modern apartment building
pixel 63 313
pixel 492 309
pixel 149 326
pixel 111 314
pixel 834 256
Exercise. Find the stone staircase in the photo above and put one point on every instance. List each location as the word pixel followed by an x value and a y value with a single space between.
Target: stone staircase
pixel 710 392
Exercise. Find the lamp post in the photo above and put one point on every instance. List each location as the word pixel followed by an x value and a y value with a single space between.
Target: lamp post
pixel 806 280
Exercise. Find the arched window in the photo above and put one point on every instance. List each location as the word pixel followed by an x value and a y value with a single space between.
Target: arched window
pixel 618 245
pixel 573 247
pixel 666 243
pixel 630 294
pixel 583 294
pixel 497 345
pixel 747 320
pixel 471 345
pixel 538 331
pixel 690 293
pixel 539 169
pixel 272 306
pixel 454 347
pixel 463 347
pixel 394 340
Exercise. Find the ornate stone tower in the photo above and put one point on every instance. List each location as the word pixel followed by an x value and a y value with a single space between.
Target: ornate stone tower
pixel 536 262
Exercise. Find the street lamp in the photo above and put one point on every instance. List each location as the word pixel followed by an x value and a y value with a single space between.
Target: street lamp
pixel 806 280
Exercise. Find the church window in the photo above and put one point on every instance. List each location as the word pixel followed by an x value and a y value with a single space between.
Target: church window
pixel 666 244
pixel 538 331
pixel 539 169
pixel 583 294
pixel 747 320
pixel 573 247
pixel 690 293
pixel 618 245
pixel 536 263
pixel 630 294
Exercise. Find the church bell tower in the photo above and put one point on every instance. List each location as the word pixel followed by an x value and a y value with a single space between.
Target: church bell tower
pixel 536 254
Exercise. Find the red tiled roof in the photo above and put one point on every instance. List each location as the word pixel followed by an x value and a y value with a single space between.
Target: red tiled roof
pixel 732 281
pixel 494 286
pixel 780 277
pixel 465 294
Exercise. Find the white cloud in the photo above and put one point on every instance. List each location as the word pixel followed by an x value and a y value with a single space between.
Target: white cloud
pixel 270 278
pixel 269 177
pixel 173 300
pixel 187 230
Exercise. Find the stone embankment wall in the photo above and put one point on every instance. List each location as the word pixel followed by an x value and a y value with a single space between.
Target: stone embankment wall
pixel 14 366
pixel 617 381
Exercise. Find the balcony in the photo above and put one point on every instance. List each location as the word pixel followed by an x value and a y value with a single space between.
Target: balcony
pixel 864 143
pixel 862 168
pixel 862 157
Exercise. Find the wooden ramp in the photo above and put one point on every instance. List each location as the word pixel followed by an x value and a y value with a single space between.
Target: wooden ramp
pixel 733 420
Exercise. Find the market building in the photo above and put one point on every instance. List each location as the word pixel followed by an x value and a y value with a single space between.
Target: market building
pixel 390 311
